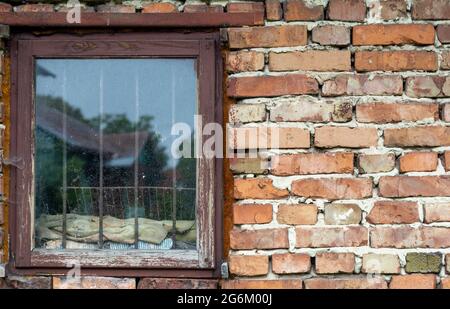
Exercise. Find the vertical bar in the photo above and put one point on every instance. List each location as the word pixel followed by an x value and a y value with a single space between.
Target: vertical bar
pixel 100 198
pixel 64 197
pixel 136 164
pixel 174 170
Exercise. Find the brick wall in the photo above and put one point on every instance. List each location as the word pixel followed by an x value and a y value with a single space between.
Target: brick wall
pixel 358 193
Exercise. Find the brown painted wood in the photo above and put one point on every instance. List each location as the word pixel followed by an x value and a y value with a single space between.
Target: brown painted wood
pixel 54 19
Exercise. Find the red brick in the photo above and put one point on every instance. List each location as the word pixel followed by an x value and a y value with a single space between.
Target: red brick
pixel 269 138
pixel 404 236
pixel 242 61
pixel 445 283
pixel 347 10
pixel 271 86
pixel 394 212
pixel 312 163
pixel 289 263
pixel 257 188
pixel 94 283
pixel 443 33
pixel 312 60
pixel 252 213
pixel 437 212
pixel 245 7
pixel 161 7
pixel 376 163
pixel 259 239
pixel 202 8
pixel 427 86
pixel 328 237
pixel 333 188
pixel 395 61
pixel 5 7
pixel 248 165
pixel 430 9
pixel 335 263
pixel 447 161
pixel 345 283
pixel 300 10
pixel 361 85
pixel 274 11
pixel 115 8
pixel 297 214
pixel 262 284
pixel 331 137
pixel 331 35
pixel 178 283
pixel 415 281
pixel 394 34
pixel 272 36
pixel 249 265
pixel 418 162
pixel 429 136
pixel 396 112
pixel 414 186
pixel 33 8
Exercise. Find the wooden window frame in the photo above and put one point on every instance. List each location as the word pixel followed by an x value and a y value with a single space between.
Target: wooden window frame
pixel 25 48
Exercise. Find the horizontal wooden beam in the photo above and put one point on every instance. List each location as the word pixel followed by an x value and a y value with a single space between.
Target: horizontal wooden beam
pixel 142 20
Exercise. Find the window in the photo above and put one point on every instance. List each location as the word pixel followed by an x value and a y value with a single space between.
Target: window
pixel 103 182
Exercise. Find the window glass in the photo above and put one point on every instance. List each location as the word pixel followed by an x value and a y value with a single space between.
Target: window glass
pixel 105 176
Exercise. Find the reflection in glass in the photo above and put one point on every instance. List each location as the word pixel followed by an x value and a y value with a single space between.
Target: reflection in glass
pixel 104 174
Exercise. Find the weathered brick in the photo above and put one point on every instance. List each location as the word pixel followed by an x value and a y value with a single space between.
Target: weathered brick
pixel 291 263
pixel 445 61
pixel 395 61
pixel 324 237
pixel 245 7
pixel 271 86
pixel 347 10
pixel 259 239
pixel 418 162
pixel 34 8
pixel 94 283
pixel 335 263
pixel 445 283
pixel 301 10
pixel 333 188
pixel 437 212
pixel 331 35
pixel 262 284
pixel 257 188
pixel 427 86
pixel 178 283
pixel 115 8
pixel 272 36
pixel 268 138
pixel 161 7
pixel 419 34
pixel 412 186
pixel 248 165
pixel 360 85
pixel 376 163
pixel 342 214
pixel 311 60
pixel 243 113
pixel 396 112
pixel 5 7
pixel 202 8
pixel 252 213
pixel 430 9
pixel 404 236
pixel 423 262
pixel 249 265
pixel 389 9
pixel 274 11
pixel 312 163
pixel 297 214
pixel 242 61
pixel 331 137
pixel 447 263
pixel 428 136
pixel 443 33
pixel 311 110
pixel 393 212
pixel 380 264
pixel 67 7
pixel 415 282
pixel 346 283
pixel 446 113
pixel 28 282
pixel 447 161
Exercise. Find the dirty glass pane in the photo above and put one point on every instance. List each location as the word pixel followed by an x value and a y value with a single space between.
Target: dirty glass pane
pixel 105 175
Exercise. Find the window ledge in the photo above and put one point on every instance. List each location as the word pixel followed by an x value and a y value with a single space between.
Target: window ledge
pixel 207 19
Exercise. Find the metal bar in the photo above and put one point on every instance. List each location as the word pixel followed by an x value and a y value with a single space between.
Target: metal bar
pixel 136 165
pixel 64 197
pixel 100 201
pixel 128 187
pixel 174 169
